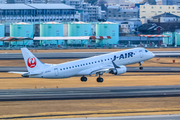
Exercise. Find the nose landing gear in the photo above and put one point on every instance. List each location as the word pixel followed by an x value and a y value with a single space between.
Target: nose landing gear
pixel 140 63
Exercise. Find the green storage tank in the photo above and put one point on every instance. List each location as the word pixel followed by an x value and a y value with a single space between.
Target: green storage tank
pixel 51 29
pixel 108 29
pixel 177 38
pixel 168 40
pixel 1 33
pixel 22 30
pixel 79 29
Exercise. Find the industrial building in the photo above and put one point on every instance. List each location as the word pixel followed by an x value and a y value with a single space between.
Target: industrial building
pixel 148 11
pixel 36 13
pixel 114 2
pixel 75 29
pixel 118 14
pixel 31 1
pixel 94 13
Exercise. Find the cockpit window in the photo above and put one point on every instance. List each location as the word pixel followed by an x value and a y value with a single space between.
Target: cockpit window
pixel 146 50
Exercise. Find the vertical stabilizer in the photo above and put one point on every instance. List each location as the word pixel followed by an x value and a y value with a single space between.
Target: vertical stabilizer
pixel 32 63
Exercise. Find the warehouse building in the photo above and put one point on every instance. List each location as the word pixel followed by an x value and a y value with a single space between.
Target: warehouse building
pixel 36 13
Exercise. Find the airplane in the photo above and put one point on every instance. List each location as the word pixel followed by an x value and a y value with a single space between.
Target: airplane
pixel 113 63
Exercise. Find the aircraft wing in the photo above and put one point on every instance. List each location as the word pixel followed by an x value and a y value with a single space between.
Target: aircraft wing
pixel 26 74
pixel 104 69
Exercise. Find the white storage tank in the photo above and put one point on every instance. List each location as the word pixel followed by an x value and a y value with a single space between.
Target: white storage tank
pixel 22 30
pixel 177 38
pixel 1 33
pixel 79 29
pixel 108 29
pixel 168 40
pixel 51 29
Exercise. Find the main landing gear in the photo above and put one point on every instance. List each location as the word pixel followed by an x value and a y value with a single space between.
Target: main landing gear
pixel 99 79
pixel 140 63
pixel 83 79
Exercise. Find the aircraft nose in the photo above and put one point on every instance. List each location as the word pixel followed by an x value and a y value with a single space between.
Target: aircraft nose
pixel 153 55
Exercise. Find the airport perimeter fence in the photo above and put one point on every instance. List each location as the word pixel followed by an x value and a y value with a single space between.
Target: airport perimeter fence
pixel 121 46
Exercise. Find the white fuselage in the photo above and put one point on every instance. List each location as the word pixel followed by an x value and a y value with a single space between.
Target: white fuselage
pixel 86 66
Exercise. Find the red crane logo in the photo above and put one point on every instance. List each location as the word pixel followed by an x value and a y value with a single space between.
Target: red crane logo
pixel 31 61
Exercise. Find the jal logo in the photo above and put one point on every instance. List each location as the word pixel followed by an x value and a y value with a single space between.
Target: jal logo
pixel 31 62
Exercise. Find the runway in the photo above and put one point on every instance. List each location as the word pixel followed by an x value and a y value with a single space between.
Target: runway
pixel 89 93
pixel 76 55
pixel 150 117
pixel 129 69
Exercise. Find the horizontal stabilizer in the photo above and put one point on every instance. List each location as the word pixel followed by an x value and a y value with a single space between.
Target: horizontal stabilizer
pixel 17 72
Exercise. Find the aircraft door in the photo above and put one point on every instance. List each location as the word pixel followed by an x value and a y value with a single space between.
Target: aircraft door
pixel 141 53
pixel 56 71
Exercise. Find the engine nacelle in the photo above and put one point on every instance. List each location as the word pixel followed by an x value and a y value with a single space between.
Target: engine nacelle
pixel 118 71
pixel 25 75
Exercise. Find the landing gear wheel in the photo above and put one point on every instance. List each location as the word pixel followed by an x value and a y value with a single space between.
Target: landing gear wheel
pixel 100 80
pixel 141 68
pixel 83 79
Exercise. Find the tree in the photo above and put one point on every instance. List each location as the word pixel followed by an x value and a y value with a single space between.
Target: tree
pixel 91 1
pixel 10 1
pixel 151 2
pixel 102 3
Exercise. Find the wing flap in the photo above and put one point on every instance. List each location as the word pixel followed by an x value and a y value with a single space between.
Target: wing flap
pixel 101 71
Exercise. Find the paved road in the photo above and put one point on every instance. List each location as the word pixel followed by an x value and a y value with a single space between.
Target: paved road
pixel 152 117
pixel 76 55
pixel 89 93
pixel 129 69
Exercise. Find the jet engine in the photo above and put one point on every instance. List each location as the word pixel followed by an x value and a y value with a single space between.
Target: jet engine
pixel 122 69
pixel 25 75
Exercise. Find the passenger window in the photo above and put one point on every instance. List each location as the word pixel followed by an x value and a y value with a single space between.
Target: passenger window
pixel 95 61
pixel 72 66
pixel 63 68
pixel 86 64
pixel 92 62
pixel 78 65
pixel 108 58
pixel 101 60
pixel 67 68
pixel 81 64
pixel 75 66
pixel 89 63
pixel 98 61
pixel 146 51
pixel 111 58
pixel 105 60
